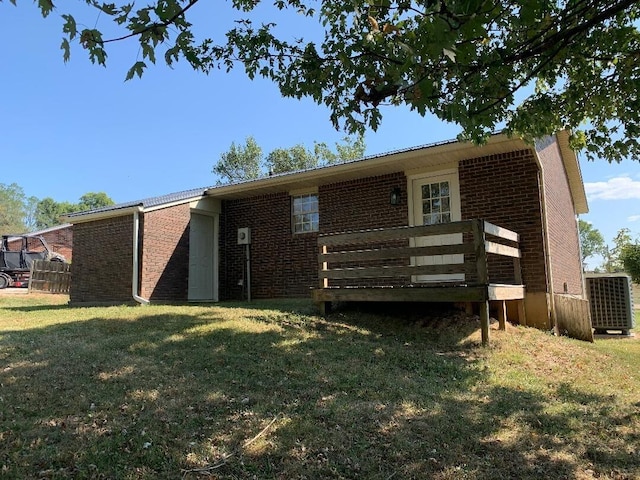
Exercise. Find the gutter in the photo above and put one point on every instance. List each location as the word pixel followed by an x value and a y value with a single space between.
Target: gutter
pixel 546 243
pixel 136 263
pixel 101 215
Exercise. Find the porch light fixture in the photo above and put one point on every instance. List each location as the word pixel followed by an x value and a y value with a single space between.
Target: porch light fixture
pixel 396 196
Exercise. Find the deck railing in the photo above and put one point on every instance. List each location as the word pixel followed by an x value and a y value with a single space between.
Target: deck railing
pixel 400 260
pixel 370 264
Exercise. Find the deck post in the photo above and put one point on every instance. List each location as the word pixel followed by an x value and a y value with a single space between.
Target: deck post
pixel 468 308
pixel 522 317
pixel 517 271
pixel 484 322
pixel 483 275
pixel 324 282
pixel 502 315
pixel 325 308
pixel 481 253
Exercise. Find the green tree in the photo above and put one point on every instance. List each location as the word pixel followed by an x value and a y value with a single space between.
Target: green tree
pixel 351 148
pixel 12 209
pixel 93 200
pixel 246 162
pixel 30 209
pixel 49 212
pixel 536 66
pixel 20 214
pixel 240 162
pixel 283 160
pixel 591 240
pixel 630 258
pixel 613 256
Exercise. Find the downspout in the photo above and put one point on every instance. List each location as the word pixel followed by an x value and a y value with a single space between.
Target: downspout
pixel 545 237
pixel 136 263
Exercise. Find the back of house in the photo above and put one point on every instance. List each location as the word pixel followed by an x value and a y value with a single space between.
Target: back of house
pixel 260 237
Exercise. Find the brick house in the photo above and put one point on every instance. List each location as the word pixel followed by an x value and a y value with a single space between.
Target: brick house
pixel 185 246
pixel 59 238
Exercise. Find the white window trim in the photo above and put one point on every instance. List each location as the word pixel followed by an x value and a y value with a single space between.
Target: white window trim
pixel 293 215
pixel 423 175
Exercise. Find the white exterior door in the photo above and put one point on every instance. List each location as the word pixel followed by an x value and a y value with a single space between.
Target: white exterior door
pixel 202 258
pixel 435 200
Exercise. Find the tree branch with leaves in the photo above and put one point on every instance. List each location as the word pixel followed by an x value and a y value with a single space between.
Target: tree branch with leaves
pixel 573 63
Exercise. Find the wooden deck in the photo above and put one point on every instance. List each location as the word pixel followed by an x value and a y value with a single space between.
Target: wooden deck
pixel 386 265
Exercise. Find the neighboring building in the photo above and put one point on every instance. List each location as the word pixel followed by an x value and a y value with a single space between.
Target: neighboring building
pixel 59 239
pixel 185 246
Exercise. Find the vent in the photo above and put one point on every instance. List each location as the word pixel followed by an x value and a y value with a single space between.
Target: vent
pixel 611 301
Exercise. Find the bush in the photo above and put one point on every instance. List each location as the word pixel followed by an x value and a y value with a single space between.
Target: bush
pixel 630 257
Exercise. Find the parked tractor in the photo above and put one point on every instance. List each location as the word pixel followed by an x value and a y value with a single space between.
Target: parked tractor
pixel 17 254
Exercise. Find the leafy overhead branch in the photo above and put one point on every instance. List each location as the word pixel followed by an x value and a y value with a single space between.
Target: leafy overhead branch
pixel 574 63
pixel 155 27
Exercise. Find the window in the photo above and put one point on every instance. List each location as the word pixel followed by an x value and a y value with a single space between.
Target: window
pixel 305 213
pixel 436 203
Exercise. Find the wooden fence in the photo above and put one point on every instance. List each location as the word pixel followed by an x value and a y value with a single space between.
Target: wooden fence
pixel 52 277
pixel 573 317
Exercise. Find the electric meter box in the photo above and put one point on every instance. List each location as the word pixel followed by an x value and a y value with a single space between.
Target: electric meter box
pixel 244 236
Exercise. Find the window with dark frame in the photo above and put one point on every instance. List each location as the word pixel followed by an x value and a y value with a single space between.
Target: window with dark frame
pixel 305 217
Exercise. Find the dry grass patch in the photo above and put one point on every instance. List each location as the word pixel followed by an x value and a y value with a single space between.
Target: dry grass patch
pixel 271 390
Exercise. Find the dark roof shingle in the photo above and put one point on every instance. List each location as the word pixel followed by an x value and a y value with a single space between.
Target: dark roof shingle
pixel 147 202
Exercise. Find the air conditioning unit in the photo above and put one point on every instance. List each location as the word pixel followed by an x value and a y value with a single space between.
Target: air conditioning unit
pixel 611 301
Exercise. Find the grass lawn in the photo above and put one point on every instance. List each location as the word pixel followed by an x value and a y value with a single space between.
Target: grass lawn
pixel 272 391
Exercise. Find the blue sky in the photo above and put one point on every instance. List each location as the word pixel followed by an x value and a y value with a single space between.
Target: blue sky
pixel 69 129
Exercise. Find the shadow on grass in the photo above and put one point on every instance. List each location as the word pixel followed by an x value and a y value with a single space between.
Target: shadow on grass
pixel 302 305
pixel 355 395
pixel 36 308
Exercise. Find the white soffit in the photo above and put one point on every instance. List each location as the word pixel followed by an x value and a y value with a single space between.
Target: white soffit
pixel 574 174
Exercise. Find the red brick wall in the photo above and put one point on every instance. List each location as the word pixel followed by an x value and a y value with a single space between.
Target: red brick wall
pixel 363 203
pixel 61 241
pixel 164 269
pixel 504 190
pixel 564 246
pixel 102 265
pixel 284 264
pixel 102 261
